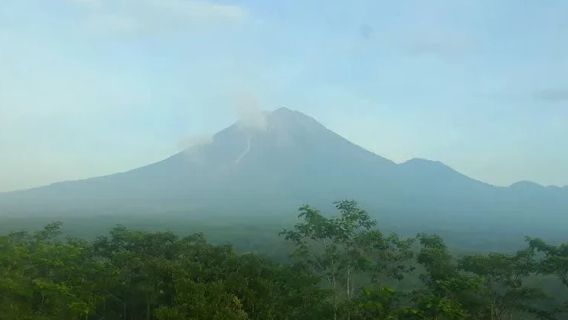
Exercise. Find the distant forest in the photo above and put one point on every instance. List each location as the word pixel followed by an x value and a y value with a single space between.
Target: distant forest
pixel 340 267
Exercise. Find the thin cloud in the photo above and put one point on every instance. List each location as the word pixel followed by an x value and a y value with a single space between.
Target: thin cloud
pixel 112 23
pixel 439 29
pixel 151 16
pixel 442 44
pixel 87 2
pixel 202 10
pixel 552 95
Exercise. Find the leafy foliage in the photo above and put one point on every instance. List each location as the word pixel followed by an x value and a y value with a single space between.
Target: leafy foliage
pixel 342 267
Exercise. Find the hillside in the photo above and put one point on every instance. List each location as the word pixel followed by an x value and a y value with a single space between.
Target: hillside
pixel 272 167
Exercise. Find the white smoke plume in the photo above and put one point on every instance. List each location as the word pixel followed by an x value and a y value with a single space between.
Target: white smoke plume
pixel 195 141
pixel 250 113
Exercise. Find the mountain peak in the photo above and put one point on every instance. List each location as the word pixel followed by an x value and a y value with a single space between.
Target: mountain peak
pixel 283 110
pixel 289 119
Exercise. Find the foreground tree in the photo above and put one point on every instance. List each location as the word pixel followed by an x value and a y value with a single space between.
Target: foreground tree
pixel 503 284
pixel 448 294
pixel 345 248
pixel 552 260
pixel 555 260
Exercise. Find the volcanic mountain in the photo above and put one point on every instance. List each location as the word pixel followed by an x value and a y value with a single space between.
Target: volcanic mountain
pixel 289 159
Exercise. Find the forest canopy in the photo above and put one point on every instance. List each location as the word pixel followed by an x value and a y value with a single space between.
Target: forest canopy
pixel 340 267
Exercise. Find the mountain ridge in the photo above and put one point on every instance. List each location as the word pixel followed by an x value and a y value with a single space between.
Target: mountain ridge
pixel 288 113
pixel 273 164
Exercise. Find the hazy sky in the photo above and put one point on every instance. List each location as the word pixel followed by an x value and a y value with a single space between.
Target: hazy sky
pixel 90 87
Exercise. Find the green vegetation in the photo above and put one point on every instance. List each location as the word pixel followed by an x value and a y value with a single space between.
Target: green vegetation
pixel 341 267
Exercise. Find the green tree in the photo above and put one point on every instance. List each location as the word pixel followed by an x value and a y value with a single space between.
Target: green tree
pixel 345 248
pixel 503 279
pixel 552 260
pixel 555 260
pixel 449 294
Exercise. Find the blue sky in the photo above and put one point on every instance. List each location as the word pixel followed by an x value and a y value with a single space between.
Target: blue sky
pixel 91 87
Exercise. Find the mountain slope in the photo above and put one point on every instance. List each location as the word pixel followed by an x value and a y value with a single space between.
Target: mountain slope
pixel 289 159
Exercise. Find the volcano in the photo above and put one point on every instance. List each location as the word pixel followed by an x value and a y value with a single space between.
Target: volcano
pixel 289 159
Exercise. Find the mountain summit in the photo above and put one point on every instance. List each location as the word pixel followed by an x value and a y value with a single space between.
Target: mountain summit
pixel 274 162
